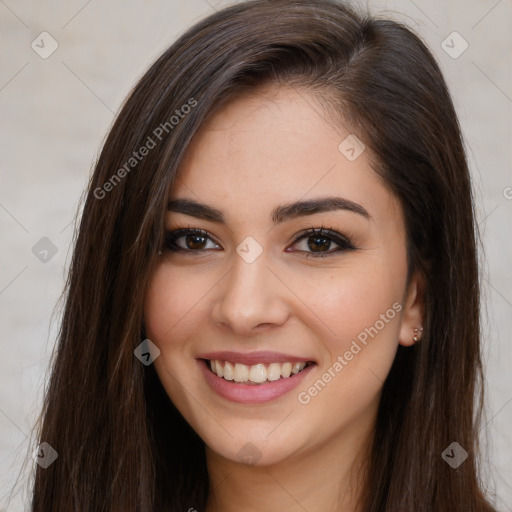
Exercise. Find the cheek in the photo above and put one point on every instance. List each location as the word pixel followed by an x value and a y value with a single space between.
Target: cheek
pixel 172 300
pixel 359 312
pixel 359 318
pixel 351 301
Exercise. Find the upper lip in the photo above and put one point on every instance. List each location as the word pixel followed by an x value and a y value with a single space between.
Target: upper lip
pixel 251 358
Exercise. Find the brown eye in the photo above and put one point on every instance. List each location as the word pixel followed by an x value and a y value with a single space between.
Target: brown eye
pixel 188 240
pixel 316 242
pixel 319 244
pixel 195 241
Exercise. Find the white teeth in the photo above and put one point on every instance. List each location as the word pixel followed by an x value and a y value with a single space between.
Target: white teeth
pixel 228 371
pixel 286 369
pixel 274 371
pixel 219 369
pixel 241 372
pixel 257 373
pixel 296 368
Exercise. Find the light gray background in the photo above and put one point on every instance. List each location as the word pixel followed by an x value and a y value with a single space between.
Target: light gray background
pixel 55 113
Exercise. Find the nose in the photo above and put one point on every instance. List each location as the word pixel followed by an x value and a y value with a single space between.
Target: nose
pixel 251 298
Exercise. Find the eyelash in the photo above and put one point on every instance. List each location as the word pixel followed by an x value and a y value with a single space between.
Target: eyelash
pixel 345 245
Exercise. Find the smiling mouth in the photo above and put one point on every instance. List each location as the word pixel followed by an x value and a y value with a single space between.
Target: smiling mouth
pixel 255 374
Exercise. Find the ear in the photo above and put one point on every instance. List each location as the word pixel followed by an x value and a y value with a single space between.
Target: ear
pixel 413 314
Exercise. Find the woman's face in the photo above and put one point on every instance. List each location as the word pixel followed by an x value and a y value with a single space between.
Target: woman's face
pixel 247 294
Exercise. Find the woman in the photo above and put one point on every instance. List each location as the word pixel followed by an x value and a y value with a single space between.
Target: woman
pixel 273 301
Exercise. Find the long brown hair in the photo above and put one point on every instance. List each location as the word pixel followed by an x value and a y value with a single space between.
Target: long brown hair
pixel 122 445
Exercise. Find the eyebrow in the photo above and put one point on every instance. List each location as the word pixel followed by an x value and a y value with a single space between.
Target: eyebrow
pixel 280 214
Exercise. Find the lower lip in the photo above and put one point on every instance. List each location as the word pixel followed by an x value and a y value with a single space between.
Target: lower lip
pixel 252 394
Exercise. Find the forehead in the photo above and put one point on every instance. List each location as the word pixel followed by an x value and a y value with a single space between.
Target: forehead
pixel 273 146
pixel 268 132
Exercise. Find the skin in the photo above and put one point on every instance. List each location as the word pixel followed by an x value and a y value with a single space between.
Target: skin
pixel 265 149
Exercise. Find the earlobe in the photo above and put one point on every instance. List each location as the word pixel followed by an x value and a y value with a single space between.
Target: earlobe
pixel 413 316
